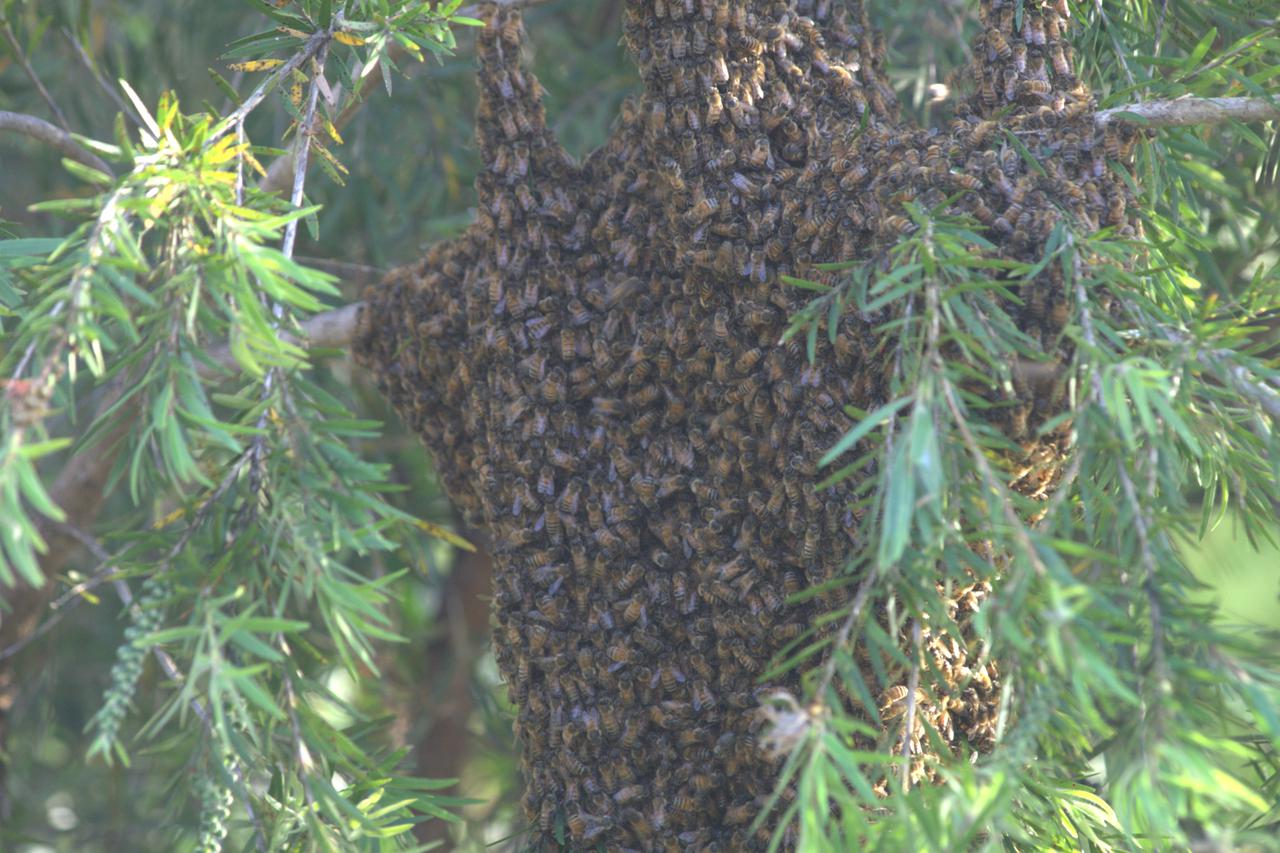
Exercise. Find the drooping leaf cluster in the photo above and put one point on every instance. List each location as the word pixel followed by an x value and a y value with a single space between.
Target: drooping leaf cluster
pixel 175 303
pixel 1126 708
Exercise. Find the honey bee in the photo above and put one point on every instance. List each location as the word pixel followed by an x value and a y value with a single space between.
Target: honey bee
pixel 996 42
pixel 632 576
pixel 635 611
pixel 1052 28
pixel 610 721
pixel 988 91
pixel 608 407
pixel 740 814
pixel 642 425
pixel 1112 143
pixel 549 607
pixel 1035 88
pixel 1010 84
pixel 897 224
pixel 703 208
pixel 538 423
pixel 1033 30
pixel 555 528
pixel 631 792
pixel 578 554
pixel 1115 209
pixel 555 389
pixel 586 661
pixel 720 326
pixel 1020 56
pixel 568 344
pixel 510 31
pixel 595 514
pixel 760 155
pixel 671 677
pixel 679 44
pixel 703 491
pixel 809 547
pixel 626 468
pixel 670 171
pixel 547 814
pixel 507 121
pixel 714 107
pixel 533 367
pixel 1061 66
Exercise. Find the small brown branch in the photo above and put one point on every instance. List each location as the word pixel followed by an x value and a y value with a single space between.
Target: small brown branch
pixel 31 73
pixel 909 718
pixel 38 128
pixel 281 169
pixel 332 329
pixel 87 63
pixel 1184 111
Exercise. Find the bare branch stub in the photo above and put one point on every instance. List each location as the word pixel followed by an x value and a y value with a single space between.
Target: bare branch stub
pixel 595 366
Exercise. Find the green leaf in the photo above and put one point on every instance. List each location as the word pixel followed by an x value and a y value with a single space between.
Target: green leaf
pixel 248 685
pixel 1199 51
pixel 865 426
pixel 34 247
pixel 805 284
pixel 87 173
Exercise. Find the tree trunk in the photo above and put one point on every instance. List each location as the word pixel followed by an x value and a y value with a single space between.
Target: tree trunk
pixel 595 366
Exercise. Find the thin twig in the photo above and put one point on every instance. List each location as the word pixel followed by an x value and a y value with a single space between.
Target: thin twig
pixel 1018 529
pixel 170 667
pixel 31 74
pixel 1149 585
pixel 87 62
pixel 1164 9
pixel 282 167
pixel 305 762
pixel 846 628
pixel 38 128
pixel 312 46
pixel 1243 381
pixel 909 718
pixel 1179 112
pixel 302 151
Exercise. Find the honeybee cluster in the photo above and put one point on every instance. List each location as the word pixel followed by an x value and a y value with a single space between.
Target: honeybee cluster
pixel 595 365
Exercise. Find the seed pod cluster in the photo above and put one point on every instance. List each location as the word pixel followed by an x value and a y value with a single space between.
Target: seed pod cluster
pixel 595 365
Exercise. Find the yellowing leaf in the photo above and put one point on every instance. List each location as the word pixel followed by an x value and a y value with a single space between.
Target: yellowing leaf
pixel 444 533
pixel 348 38
pixel 324 152
pixel 166 520
pixel 251 65
pixel 331 130
pixel 254 164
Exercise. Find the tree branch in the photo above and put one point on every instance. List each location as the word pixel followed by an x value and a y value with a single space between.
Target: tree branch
pixel 281 169
pixel 1185 111
pixel 38 128
pixel 31 73
pixel 333 329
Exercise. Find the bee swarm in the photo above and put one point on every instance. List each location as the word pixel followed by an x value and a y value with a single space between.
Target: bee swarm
pixel 595 366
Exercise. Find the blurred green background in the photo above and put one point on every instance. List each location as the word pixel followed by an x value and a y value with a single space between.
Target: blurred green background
pixel 411 160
